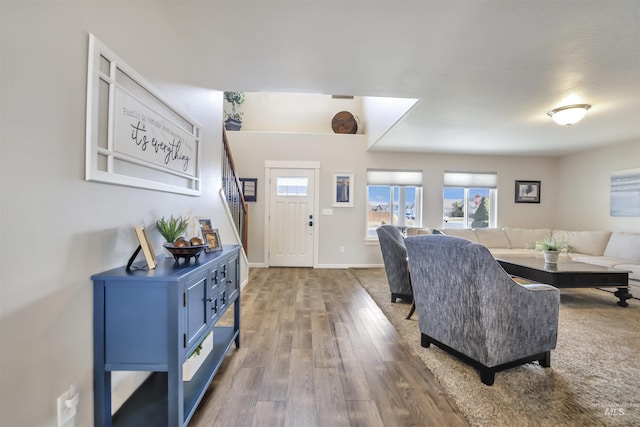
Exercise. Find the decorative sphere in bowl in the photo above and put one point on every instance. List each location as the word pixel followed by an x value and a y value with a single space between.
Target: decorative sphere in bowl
pixel 184 251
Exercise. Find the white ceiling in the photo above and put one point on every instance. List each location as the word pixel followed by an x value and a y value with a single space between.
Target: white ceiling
pixel 485 71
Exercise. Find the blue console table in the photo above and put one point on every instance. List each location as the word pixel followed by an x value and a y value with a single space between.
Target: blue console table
pixel 152 320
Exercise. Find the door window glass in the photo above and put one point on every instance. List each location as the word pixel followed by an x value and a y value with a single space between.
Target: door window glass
pixel 292 186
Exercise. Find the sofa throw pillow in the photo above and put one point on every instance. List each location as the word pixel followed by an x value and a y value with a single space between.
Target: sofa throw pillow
pixel 624 246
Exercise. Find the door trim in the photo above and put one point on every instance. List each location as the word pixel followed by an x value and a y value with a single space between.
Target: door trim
pixel 286 164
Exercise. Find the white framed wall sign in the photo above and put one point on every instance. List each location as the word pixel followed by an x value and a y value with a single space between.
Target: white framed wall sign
pixel 134 136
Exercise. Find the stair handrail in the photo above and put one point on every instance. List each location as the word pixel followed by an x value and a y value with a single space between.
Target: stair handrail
pixel 233 191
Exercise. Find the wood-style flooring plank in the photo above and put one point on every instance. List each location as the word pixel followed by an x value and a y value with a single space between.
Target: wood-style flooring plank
pixel 269 413
pixel 317 351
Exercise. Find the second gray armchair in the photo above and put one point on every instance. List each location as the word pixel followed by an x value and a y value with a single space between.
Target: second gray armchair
pixel 394 256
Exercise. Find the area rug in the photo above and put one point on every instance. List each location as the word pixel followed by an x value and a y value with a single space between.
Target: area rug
pixel 594 379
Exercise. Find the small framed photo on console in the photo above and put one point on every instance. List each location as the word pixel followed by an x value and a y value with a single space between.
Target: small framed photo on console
pixel 145 245
pixel 212 238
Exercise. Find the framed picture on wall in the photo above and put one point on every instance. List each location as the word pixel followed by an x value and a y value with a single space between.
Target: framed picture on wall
pixel 625 187
pixel 343 189
pixel 249 189
pixel 527 192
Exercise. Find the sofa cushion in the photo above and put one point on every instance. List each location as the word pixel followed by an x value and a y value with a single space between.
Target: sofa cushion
pixel 413 231
pixel 465 233
pixel 504 252
pixel 633 269
pixel 584 242
pixel 422 231
pixel 604 261
pixel 596 260
pixel 525 238
pixel 492 238
pixel 625 246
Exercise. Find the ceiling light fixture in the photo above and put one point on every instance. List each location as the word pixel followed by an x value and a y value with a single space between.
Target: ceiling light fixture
pixel 569 114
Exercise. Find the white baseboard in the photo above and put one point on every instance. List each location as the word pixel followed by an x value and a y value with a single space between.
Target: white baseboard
pixel 328 266
pixel 348 266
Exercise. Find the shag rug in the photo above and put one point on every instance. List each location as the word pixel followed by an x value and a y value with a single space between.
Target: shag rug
pixel 594 379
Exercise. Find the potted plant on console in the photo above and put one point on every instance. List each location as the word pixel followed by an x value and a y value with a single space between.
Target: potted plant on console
pixel 172 229
pixel 233 119
pixel 550 249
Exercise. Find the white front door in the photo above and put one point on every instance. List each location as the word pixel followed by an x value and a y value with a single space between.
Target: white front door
pixel 291 217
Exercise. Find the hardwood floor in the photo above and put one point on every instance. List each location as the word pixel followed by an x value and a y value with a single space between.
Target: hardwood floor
pixel 317 351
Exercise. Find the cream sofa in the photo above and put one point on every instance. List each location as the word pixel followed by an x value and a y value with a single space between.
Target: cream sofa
pixel 610 249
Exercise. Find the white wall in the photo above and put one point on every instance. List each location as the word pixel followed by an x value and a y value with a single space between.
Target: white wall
pixel 57 229
pixel 346 227
pixel 584 188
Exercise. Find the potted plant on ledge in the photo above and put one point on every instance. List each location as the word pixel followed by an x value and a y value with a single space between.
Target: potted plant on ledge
pixel 550 249
pixel 233 119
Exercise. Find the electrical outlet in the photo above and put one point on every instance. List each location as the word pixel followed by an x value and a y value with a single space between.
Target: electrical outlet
pixel 67 406
pixel 341 249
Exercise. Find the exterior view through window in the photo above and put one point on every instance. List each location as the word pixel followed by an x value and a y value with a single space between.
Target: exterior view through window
pixel 466 207
pixel 469 206
pixel 392 204
pixel 393 197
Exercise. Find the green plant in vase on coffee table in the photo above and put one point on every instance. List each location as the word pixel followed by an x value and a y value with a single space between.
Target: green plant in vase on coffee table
pixel 551 249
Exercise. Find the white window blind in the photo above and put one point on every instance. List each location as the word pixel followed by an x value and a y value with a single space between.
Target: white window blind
pixel 394 177
pixel 471 179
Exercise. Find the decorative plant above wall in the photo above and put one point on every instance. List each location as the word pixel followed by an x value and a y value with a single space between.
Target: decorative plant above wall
pixel 233 119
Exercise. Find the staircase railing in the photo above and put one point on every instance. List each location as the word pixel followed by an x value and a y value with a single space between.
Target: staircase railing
pixel 233 192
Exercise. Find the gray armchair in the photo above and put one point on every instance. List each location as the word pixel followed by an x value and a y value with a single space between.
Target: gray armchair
pixel 470 307
pixel 394 255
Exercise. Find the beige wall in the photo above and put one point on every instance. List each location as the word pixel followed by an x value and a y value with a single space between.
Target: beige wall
pixel 580 179
pixel 584 188
pixel 346 227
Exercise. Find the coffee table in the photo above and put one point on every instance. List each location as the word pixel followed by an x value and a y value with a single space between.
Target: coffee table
pixel 568 274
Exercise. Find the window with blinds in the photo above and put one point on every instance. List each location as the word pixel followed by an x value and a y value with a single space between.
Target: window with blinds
pixel 469 200
pixel 393 197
